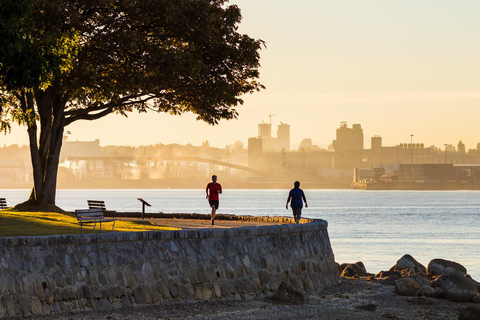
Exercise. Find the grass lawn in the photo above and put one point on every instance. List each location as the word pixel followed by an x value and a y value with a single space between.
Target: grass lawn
pixel 17 224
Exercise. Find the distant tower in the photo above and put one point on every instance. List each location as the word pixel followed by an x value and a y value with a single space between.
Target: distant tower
pixel 348 146
pixel 283 136
pixel 461 147
pixel 264 130
pixel 376 144
pixel 349 139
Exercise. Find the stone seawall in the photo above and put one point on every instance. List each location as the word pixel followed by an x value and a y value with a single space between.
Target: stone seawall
pixel 56 274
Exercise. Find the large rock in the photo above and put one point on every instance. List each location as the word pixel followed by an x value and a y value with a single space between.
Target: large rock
pixel 438 267
pixel 427 291
pixel 457 287
pixel 287 294
pixel 407 287
pixel 356 269
pixel 388 277
pixel 408 264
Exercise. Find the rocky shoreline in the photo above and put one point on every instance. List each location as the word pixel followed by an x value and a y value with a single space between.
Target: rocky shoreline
pixel 442 290
pixel 440 280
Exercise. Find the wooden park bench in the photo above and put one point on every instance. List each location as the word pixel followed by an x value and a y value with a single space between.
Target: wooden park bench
pixel 3 203
pixel 94 216
pixel 98 204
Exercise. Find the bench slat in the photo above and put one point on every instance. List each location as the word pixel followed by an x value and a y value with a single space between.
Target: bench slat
pixel 95 216
pixel 3 203
pixel 90 214
pixel 95 220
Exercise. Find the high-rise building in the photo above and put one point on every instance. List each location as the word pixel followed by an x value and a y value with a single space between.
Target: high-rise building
pixel 348 146
pixel 376 144
pixel 283 137
pixel 349 139
pixel 264 130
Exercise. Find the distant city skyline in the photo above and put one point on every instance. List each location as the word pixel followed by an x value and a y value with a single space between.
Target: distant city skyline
pixel 396 68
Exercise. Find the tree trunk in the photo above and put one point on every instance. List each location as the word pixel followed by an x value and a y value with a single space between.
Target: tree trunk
pixel 45 154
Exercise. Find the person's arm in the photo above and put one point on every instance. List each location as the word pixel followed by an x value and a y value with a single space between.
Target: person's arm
pixel 220 189
pixel 288 199
pixel 206 190
pixel 304 199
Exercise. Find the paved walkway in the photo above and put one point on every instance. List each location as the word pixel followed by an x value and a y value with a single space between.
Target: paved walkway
pixel 202 223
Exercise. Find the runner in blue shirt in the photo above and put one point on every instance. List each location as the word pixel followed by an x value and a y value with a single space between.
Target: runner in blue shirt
pixel 296 195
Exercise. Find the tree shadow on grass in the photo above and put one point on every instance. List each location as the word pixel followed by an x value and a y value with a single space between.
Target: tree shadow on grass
pixel 13 226
pixel 23 224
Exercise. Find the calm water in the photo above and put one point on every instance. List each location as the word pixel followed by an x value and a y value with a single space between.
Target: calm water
pixel 376 227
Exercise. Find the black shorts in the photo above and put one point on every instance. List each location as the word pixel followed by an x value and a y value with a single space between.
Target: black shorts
pixel 214 203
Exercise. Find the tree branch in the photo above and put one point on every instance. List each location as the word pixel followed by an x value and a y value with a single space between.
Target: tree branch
pixel 103 110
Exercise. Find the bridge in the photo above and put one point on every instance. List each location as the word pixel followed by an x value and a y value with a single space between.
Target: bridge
pixel 160 159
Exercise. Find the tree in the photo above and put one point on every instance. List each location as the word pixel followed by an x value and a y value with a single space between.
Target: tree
pixel 63 61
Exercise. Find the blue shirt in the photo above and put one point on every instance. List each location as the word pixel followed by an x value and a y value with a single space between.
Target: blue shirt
pixel 296 194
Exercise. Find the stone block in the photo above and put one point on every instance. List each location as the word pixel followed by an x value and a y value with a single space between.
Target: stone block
pixel 156 296
pixel 217 290
pixel 111 276
pixel 50 261
pixel 102 279
pixel 95 305
pixel 229 271
pixel 307 282
pixel 25 306
pixel 84 292
pixel 126 303
pixel 210 274
pixel 130 280
pixel 67 261
pixel 164 290
pixel 205 294
pixel 82 304
pixel 56 307
pixel 174 289
pixel 183 292
pixel 3 310
pixel 70 280
pixel 247 265
pixel 226 289
pixel 192 274
pixel 27 285
pixel 36 307
pixel 92 277
pixel 46 308
pixel 105 304
pixel 81 275
pixel 85 262
pixel 264 277
pixel 142 295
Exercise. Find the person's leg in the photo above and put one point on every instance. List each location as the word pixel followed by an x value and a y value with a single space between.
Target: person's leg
pixel 299 214
pixel 214 210
pixel 296 214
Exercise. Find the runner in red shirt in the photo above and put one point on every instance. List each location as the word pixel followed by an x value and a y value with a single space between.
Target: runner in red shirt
pixel 213 190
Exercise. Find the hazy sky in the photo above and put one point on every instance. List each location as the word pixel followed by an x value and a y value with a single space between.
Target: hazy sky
pixel 396 67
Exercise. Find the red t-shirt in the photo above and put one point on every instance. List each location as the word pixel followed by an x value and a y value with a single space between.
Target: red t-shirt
pixel 214 188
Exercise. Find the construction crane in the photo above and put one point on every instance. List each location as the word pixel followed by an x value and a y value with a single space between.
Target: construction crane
pixel 270 116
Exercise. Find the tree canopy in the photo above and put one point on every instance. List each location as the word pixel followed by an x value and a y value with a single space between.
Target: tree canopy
pixel 67 60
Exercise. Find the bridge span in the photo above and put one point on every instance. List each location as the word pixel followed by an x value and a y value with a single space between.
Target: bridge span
pixel 158 159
